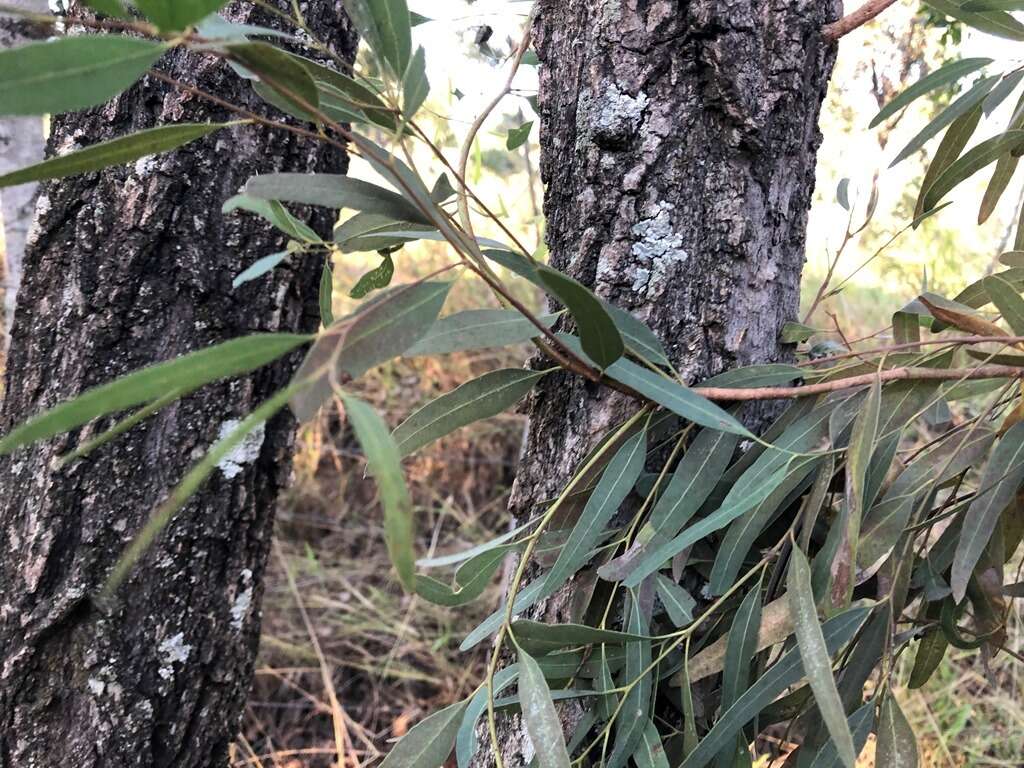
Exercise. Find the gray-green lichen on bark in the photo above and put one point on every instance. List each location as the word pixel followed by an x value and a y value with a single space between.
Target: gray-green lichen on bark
pixel 678 146
pixel 126 268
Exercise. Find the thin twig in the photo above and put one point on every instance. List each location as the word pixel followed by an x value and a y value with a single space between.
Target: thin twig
pixel 852 21
pixel 894 374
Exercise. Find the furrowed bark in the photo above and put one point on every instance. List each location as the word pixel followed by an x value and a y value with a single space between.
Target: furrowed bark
pixel 126 268
pixel 678 148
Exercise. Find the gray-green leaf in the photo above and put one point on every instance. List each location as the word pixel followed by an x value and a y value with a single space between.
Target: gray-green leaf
pixel 897 744
pixel 477 329
pixel 539 713
pixel 429 742
pixel 946 74
pixel 599 336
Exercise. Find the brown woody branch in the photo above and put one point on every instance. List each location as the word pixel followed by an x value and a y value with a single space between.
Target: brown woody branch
pixel 864 14
pixel 894 374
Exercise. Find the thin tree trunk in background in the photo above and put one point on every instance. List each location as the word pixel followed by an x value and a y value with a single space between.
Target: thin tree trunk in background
pixel 678 146
pixel 124 269
pixel 21 144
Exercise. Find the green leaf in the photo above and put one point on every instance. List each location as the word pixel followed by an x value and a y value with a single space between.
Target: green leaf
pixel 949 149
pixel 333 191
pixel 275 213
pixel 976 6
pixel 1000 480
pixel 897 744
pixel 962 106
pixel 635 711
pixel 767 375
pixel 518 136
pixel 338 91
pixel 471 580
pixel 327 294
pixel 993 22
pixel 640 339
pixel 1005 165
pixel 816 656
pixel 280 72
pixel 115 152
pixel 599 337
pixel 616 482
pixel 843 194
pixel 940 77
pixel 1008 301
pixel 176 15
pixel 386 27
pixel 186 373
pixel 415 86
pixel 392 323
pixel 734 506
pixel 795 333
pixel 651 753
pixel 259 267
pixel 481 398
pixel 540 638
pixel 539 714
pixel 477 329
pixel 860 724
pixel 740 652
pixel 385 465
pixel 429 742
pixel 375 279
pixel 679 604
pixel 787 671
pixel 930 652
pixel 465 742
pixel 71 73
pixel 972 161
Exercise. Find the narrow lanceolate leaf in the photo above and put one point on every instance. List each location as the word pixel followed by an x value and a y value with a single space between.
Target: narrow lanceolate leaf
pixel 599 337
pixel 471 580
pixel 973 160
pixel 651 753
pixel 740 651
pixel 275 213
pixel 375 279
pixel 540 639
pixel 258 268
pixel 787 671
pixel 943 76
pixel 635 711
pixel 679 604
pixel 539 713
pixel 478 399
pixel 71 73
pixel 949 149
pixel 993 5
pixel 176 15
pixel 386 27
pixel 429 742
pixel 333 191
pixel 185 374
pixel 897 744
pixel 858 460
pixel 108 153
pixel 1006 165
pixel 930 652
pixel 996 23
pixel 816 657
pixel 326 295
pixel 477 329
pixel 640 339
pixel 415 86
pixel 860 723
pixel 1008 301
pixel 616 482
pixel 280 72
pixel 958 108
pixel 1003 475
pixel 385 465
pixel 465 741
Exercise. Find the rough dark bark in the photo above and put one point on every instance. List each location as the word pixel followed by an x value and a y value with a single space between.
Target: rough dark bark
pixel 123 269
pixel 678 147
pixel 21 144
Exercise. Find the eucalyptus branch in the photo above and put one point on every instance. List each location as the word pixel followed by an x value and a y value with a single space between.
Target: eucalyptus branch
pixel 861 16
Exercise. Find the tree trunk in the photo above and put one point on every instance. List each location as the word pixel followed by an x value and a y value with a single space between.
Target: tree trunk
pixel 678 148
pixel 124 269
pixel 21 144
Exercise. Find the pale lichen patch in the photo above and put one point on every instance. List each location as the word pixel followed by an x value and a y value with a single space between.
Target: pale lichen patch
pixel 243 601
pixel 246 452
pixel 657 250
pixel 173 650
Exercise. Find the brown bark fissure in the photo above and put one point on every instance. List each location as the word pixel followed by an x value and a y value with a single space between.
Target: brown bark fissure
pixel 123 269
pixel 678 151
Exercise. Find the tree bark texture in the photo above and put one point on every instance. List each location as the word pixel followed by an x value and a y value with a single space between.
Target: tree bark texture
pixel 123 269
pixel 678 145
pixel 21 144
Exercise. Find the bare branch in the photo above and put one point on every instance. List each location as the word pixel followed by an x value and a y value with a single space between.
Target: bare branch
pixel 859 17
